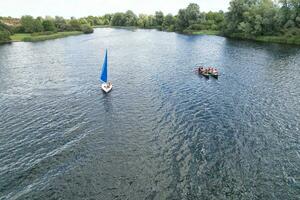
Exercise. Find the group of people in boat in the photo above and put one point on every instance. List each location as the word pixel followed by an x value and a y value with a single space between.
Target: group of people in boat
pixel 208 71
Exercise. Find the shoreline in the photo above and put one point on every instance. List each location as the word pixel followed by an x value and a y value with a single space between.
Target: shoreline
pixel 27 37
pixel 293 40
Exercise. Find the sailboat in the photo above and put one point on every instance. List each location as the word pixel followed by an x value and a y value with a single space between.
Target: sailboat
pixel 106 86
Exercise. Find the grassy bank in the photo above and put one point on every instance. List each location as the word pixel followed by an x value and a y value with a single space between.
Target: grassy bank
pixel 118 27
pixel 102 26
pixel 205 32
pixel 26 37
pixel 295 40
pixel 279 39
pixel 131 27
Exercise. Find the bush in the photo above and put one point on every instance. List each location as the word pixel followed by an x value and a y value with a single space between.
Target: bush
pixel 5 32
pixel 75 24
pixel 4 36
pixel 86 28
pixel 49 25
pixel 4 27
pixel 292 32
pixel 171 28
pixel 19 29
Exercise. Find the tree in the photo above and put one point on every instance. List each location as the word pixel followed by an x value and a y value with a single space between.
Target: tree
pixel 169 22
pixel 130 18
pixel 31 25
pixel 192 13
pixel 60 23
pixel 235 15
pixel 187 17
pixel 37 26
pixel 107 19
pixel 182 21
pixel 142 21
pixel 119 19
pixel 75 24
pixel 49 25
pixel 27 22
pixel 159 18
pixel 151 21
pixel 4 36
pixel 86 28
pixel 4 33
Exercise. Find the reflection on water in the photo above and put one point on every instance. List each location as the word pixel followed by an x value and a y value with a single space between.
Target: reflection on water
pixel 163 132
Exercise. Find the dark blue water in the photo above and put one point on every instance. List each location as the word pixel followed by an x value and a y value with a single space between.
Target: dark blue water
pixel 163 132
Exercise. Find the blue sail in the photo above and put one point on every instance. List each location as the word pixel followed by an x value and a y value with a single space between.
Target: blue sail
pixel 103 76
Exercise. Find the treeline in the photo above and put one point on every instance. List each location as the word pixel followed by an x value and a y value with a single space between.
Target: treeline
pixel 186 20
pixel 249 19
pixel 30 25
pixel 245 19
pixel 254 18
pixel 40 26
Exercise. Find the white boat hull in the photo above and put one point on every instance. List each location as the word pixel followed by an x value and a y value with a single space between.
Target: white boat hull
pixel 105 87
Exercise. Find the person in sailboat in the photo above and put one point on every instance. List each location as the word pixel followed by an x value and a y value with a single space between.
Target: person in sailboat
pixel 108 84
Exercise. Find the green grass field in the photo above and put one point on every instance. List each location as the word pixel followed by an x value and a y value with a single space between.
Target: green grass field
pixel 27 37
pixel 206 32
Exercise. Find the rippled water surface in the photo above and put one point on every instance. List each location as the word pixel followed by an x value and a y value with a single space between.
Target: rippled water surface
pixel 163 132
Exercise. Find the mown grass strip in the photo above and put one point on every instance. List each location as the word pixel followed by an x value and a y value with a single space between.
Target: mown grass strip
pixel 26 37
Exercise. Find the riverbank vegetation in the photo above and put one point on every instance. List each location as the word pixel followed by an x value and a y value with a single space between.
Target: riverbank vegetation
pixel 32 29
pixel 260 20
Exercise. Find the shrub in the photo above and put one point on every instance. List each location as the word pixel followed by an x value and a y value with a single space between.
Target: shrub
pixel 4 36
pixel 86 28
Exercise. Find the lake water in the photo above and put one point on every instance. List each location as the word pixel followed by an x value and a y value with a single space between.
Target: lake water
pixel 164 132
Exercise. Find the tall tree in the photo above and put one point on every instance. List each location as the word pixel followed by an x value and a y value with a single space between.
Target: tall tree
pixel 49 25
pixel 169 22
pixel 131 18
pixel 159 18
pixel 192 13
pixel 119 19
pixel 27 22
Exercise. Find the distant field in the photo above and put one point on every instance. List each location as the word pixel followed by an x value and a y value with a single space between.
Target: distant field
pixel 206 32
pixel 26 37
pixel 19 36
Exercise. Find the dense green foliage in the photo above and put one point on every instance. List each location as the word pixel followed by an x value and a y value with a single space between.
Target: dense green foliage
pixel 5 32
pixel 86 28
pixel 187 20
pixel 42 28
pixel 4 36
pixel 253 18
pixel 262 20
pixel 31 25
pixel 49 25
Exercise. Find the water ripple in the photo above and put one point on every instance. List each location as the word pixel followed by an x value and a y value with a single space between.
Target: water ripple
pixel 164 132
